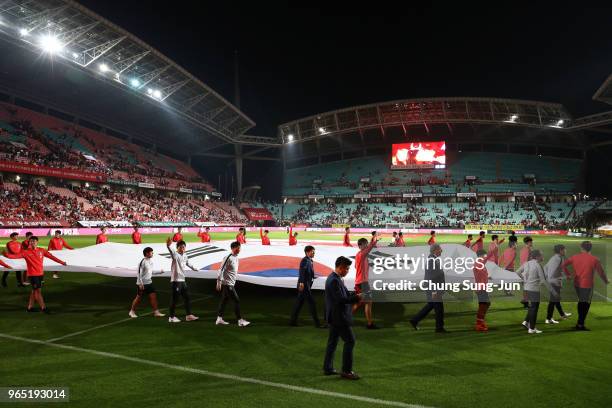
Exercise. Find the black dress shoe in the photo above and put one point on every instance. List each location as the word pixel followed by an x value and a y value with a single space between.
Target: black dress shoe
pixel 293 324
pixel 582 328
pixel 350 375
pixel 46 310
pixel 31 309
pixel 413 324
pixel 331 372
pixel 441 330
pixel 372 327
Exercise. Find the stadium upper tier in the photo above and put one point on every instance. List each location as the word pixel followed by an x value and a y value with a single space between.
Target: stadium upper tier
pixel 495 172
pixel 34 138
pixel 433 215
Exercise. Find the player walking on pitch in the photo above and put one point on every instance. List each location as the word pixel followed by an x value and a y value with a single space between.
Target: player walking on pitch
pixel 145 284
pixel 34 257
pixel 180 262
pixel 226 282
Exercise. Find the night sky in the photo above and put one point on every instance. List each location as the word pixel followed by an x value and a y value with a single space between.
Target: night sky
pixel 296 62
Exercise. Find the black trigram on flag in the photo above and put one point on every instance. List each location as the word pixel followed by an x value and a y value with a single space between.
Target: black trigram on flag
pixel 194 253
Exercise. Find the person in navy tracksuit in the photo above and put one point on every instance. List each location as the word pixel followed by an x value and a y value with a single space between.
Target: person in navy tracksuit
pixel 339 316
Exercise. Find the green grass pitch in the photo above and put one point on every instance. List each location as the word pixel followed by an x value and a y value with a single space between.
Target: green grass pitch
pixel 151 363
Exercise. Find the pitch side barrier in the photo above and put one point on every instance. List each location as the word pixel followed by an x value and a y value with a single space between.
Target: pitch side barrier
pixel 5 232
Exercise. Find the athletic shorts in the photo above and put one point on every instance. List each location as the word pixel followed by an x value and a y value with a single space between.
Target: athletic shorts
pixel 483 296
pixel 148 289
pixel 36 282
pixel 364 287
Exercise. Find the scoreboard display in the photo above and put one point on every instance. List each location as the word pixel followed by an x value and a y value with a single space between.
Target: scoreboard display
pixel 418 155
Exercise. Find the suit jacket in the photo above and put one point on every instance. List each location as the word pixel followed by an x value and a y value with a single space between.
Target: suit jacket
pixel 306 272
pixel 338 302
pixel 433 270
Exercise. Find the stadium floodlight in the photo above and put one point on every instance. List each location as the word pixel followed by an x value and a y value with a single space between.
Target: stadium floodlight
pixel 149 91
pixel 135 82
pixel 560 122
pixel 321 130
pixel 512 119
pixel 49 43
pixel 103 67
pixel 157 94
pixel 87 185
pixel 17 178
pixel 290 138
pixel 23 32
pixel 75 55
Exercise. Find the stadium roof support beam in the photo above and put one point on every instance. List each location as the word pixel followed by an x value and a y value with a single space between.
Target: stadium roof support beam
pixel 168 91
pixel 99 50
pixel 127 63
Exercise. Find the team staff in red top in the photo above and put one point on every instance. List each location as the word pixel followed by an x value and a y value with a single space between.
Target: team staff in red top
pixel 204 235
pixel 585 265
pixel 479 244
pixel 432 238
pixel 25 245
pixel 292 237
pixel 264 237
pixel 362 285
pixel 34 257
pixel 101 237
pixel 12 247
pixel 136 236
pixel 178 236
pixel 481 277
pixel 57 243
pixel 399 241
pixel 493 254
pixel 241 237
pixel 468 241
pixel 347 239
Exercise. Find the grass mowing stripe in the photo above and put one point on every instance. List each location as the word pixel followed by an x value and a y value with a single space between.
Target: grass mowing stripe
pixel 110 324
pixel 218 375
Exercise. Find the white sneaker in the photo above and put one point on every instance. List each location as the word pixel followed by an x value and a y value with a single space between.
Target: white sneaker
pixel 174 320
pixel 220 321
pixel 551 321
pixel 26 283
pixel 243 323
pixel 132 314
pixel 566 315
pixel 157 313
pixel 191 318
pixel 525 324
pixel 534 331
pixel 55 276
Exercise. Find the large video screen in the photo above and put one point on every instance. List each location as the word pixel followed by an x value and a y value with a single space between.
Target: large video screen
pixel 419 155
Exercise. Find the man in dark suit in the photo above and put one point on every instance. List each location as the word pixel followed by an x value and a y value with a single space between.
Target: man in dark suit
pixel 434 274
pixel 304 286
pixel 339 316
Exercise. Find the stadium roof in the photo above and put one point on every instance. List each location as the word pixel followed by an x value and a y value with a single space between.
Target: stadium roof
pixel 81 40
pixel 404 113
pixel 604 93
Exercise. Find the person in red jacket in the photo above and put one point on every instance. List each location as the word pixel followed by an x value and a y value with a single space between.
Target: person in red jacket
pixel 347 239
pixel 432 238
pixel 362 283
pixel 204 235
pixel 12 247
pixel 479 244
pixel 101 238
pixel 481 278
pixel 7 266
pixel 493 254
pixel 26 242
pixel 241 237
pixel 57 243
pixel 178 236
pixel 264 237
pixel 292 237
pixel 399 241
pixel 34 257
pixel 468 241
pixel 585 265
pixel 136 236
